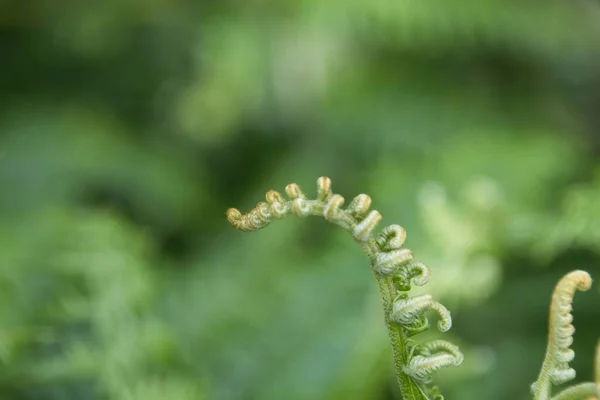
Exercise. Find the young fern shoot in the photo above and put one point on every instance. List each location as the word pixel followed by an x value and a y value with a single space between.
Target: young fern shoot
pixel 395 272
pixel 555 369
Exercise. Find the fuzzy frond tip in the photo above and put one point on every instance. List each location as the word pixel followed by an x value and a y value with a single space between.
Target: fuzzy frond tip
pixel 294 191
pixel 407 311
pixel 256 219
pixel 332 207
pixel 391 237
pixel 359 206
pixel 430 357
pixel 387 263
pixel 324 192
pixel 277 204
pixel 418 272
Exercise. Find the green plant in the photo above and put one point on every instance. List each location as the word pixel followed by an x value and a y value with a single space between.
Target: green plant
pixel 555 369
pixel 395 271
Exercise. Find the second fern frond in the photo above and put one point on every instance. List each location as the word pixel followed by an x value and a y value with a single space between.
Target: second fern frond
pixel 555 369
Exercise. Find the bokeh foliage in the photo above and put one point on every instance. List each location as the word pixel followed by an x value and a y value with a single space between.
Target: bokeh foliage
pixel 128 128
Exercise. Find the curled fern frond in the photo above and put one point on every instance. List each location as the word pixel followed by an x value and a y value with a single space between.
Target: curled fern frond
pixel 256 219
pixel 407 311
pixel 391 238
pixel 415 272
pixel 393 267
pixel 431 356
pixel 392 261
pixel 556 369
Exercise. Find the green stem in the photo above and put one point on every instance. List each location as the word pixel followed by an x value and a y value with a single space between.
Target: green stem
pixel 408 387
pixel 398 339
pixel 543 384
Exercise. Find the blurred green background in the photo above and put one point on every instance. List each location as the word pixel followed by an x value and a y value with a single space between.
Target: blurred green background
pixel 127 128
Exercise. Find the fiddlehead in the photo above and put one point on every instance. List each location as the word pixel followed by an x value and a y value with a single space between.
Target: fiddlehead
pixel 430 357
pixel 394 269
pixel 556 369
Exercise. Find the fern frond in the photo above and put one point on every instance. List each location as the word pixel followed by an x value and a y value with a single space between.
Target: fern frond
pixel 556 369
pixel 408 310
pixel 415 272
pixel 430 357
pixel 393 267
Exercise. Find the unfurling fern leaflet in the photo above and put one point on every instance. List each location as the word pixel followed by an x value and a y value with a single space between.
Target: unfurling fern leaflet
pixel 394 269
pixel 555 369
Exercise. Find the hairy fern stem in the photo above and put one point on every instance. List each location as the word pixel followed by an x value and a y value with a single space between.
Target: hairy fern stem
pixel 398 341
pixel 394 270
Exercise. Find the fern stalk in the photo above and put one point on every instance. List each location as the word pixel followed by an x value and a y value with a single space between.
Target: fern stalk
pixel 398 340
